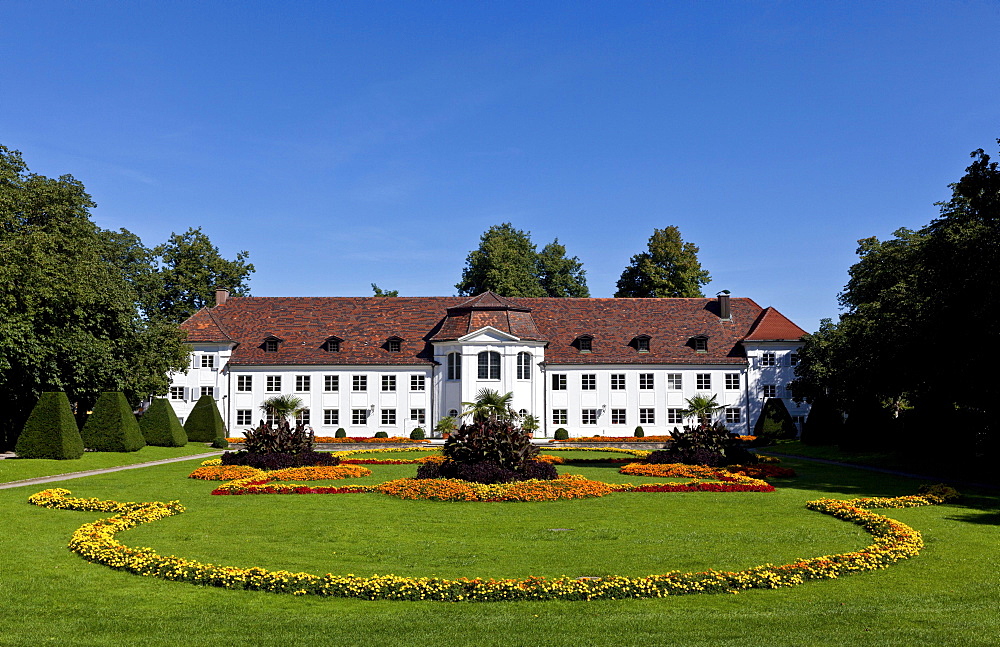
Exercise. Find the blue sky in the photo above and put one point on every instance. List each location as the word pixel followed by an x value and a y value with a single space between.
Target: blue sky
pixel 350 143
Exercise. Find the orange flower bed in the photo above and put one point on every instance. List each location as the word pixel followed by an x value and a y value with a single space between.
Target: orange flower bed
pixel 565 487
pixel 549 458
pixel 225 473
pixel 616 439
pixel 319 473
pixel 671 470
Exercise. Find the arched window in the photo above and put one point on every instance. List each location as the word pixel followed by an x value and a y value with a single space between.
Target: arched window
pixel 524 366
pixel 489 365
pixel 454 366
pixel 453 413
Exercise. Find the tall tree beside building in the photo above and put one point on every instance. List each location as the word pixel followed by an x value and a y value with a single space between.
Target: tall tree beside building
pixel 668 268
pixel 508 263
pixel 71 321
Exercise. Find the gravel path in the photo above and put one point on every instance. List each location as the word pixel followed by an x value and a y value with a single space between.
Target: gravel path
pixel 104 470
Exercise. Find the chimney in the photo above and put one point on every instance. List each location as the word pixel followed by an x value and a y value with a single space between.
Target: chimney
pixel 724 312
pixel 220 296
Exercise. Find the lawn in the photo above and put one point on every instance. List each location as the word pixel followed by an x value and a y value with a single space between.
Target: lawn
pixel 946 596
pixel 16 469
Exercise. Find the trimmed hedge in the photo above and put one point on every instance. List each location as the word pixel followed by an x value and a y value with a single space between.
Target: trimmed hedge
pixel 112 426
pixel 381 434
pixel 205 424
pixel 561 434
pixel 50 431
pixel 340 433
pixel 774 422
pixel 639 433
pixel 160 426
pixel 417 434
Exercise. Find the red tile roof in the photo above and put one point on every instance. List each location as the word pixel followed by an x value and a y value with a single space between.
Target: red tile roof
pixel 366 323
pixel 771 325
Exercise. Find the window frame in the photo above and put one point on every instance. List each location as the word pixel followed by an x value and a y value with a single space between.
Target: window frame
pixel 488 365
pixel 588 417
pixel 419 415
pixel 388 417
pixel 647 416
pixel 272 384
pixel 359 414
pixel 524 365
pixel 331 381
pixel 244 383
pixel 303 416
pixel 207 360
pixel 768 359
pixel 675 416
pixel 454 366
pixel 731 379
pixel 559 382
pixel 303 383
pixel 418 382
pixel 675 381
pixel 560 416
pixel 647 381
pixel 244 417
pixel 703 381
pixel 176 390
pixel 359 384
pixel 588 382
pixel 331 417
pixel 733 416
pixel 619 417
pixel 618 382
pixel 388 384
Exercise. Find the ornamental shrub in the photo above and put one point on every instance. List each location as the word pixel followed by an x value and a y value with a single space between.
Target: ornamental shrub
pixel 50 431
pixel 639 433
pixel 160 426
pixel 112 426
pixel 491 451
pixel 773 423
pixel 487 472
pixel 340 433
pixel 381 434
pixel 280 461
pixel 417 434
pixel 710 445
pixel 205 424
pixel 279 439
pixel 824 424
pixel 561 434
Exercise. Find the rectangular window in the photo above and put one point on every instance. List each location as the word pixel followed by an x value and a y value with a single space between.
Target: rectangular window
pixel 418 383
pixel 331 383
pixel 244 416
pixel 303 417
pixel 331 416
pixel 454 366
pixel 270 345
pixel 674 381
pixel 359 416
pixel 359 382
pixel 489 365
pixel 700 344
pixel 244 383
pixel 333 345
pixel 272 419
pixel 388 383
pixel 588 416
pixel 767 359
pixel 558 382
pixel 768 390
pixel 208 390
pixel 647 416
pixel 617 381
pixel 618 417
pixel 419 416
pixel 388 416
pixel 732 416
pixel 588 382
pixel 302 383
pixel 675 417
pixel 732 381
pixel 560 417
pixel 394 346
pixel 272 384
pixel 703 381
pixel 524 366
pixel 177 393
pixel 208 361
pixel 793 359
pixel 642 344
pixel 645 381
pixel 585 344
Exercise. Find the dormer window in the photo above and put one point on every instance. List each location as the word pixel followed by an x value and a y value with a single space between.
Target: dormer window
pixel 642 343
pixel 585 343
pixel 700 343
pixel 394 344
pixel 270 344
pixel 333 344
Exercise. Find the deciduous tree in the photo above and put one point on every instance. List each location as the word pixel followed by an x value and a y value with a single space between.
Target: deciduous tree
pixel 668 268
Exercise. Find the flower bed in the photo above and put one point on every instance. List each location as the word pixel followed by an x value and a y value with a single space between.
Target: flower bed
pixel 565 487
pixel 96 543
pixel 672 470
pixel 219 472
pixel 352 439
pixel 615 439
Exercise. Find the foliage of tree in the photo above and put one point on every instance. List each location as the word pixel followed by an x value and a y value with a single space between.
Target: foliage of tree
pixel 160 426
pixel 508 263
pixel 379 292
pixel 936 285
pixel 668 268
pixel 68 291
pixel 112 426
pixel 50 431
pixel 189 269
pixel 204 424
pixel 824 424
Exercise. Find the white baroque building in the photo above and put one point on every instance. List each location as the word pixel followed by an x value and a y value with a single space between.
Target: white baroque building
pixel 591 366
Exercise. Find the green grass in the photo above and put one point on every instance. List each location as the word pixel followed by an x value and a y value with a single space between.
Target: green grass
pixel 16 469
pixel 947 596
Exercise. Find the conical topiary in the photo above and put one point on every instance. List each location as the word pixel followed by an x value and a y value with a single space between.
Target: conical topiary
pixel 160 426
pixel 774 422
pixel 112 426
pixel 205 424
pixel 50 431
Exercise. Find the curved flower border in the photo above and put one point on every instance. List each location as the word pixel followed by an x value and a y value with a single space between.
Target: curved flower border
pixel 96 542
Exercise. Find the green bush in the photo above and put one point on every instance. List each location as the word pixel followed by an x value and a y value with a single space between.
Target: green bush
pixel 50 431
pixel 561 434
pixel 417 434
pixel 639 433
pixel 824 424
pixel 220 443
pixel 340 433
pixel 160 426
pixel 112 426
pixel 205 424
pixel 774 422
pixel 381 434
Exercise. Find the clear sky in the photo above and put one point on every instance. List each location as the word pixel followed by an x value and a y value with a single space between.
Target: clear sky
pixel 346 143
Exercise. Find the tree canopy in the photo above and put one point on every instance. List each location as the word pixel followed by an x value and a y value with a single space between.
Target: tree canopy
pixel 936 285
pixel 508 263
pixel 668 268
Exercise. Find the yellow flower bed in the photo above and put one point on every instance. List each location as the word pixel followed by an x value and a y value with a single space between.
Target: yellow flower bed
pixel 96 542
pixel 566 486
pixel 225 472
